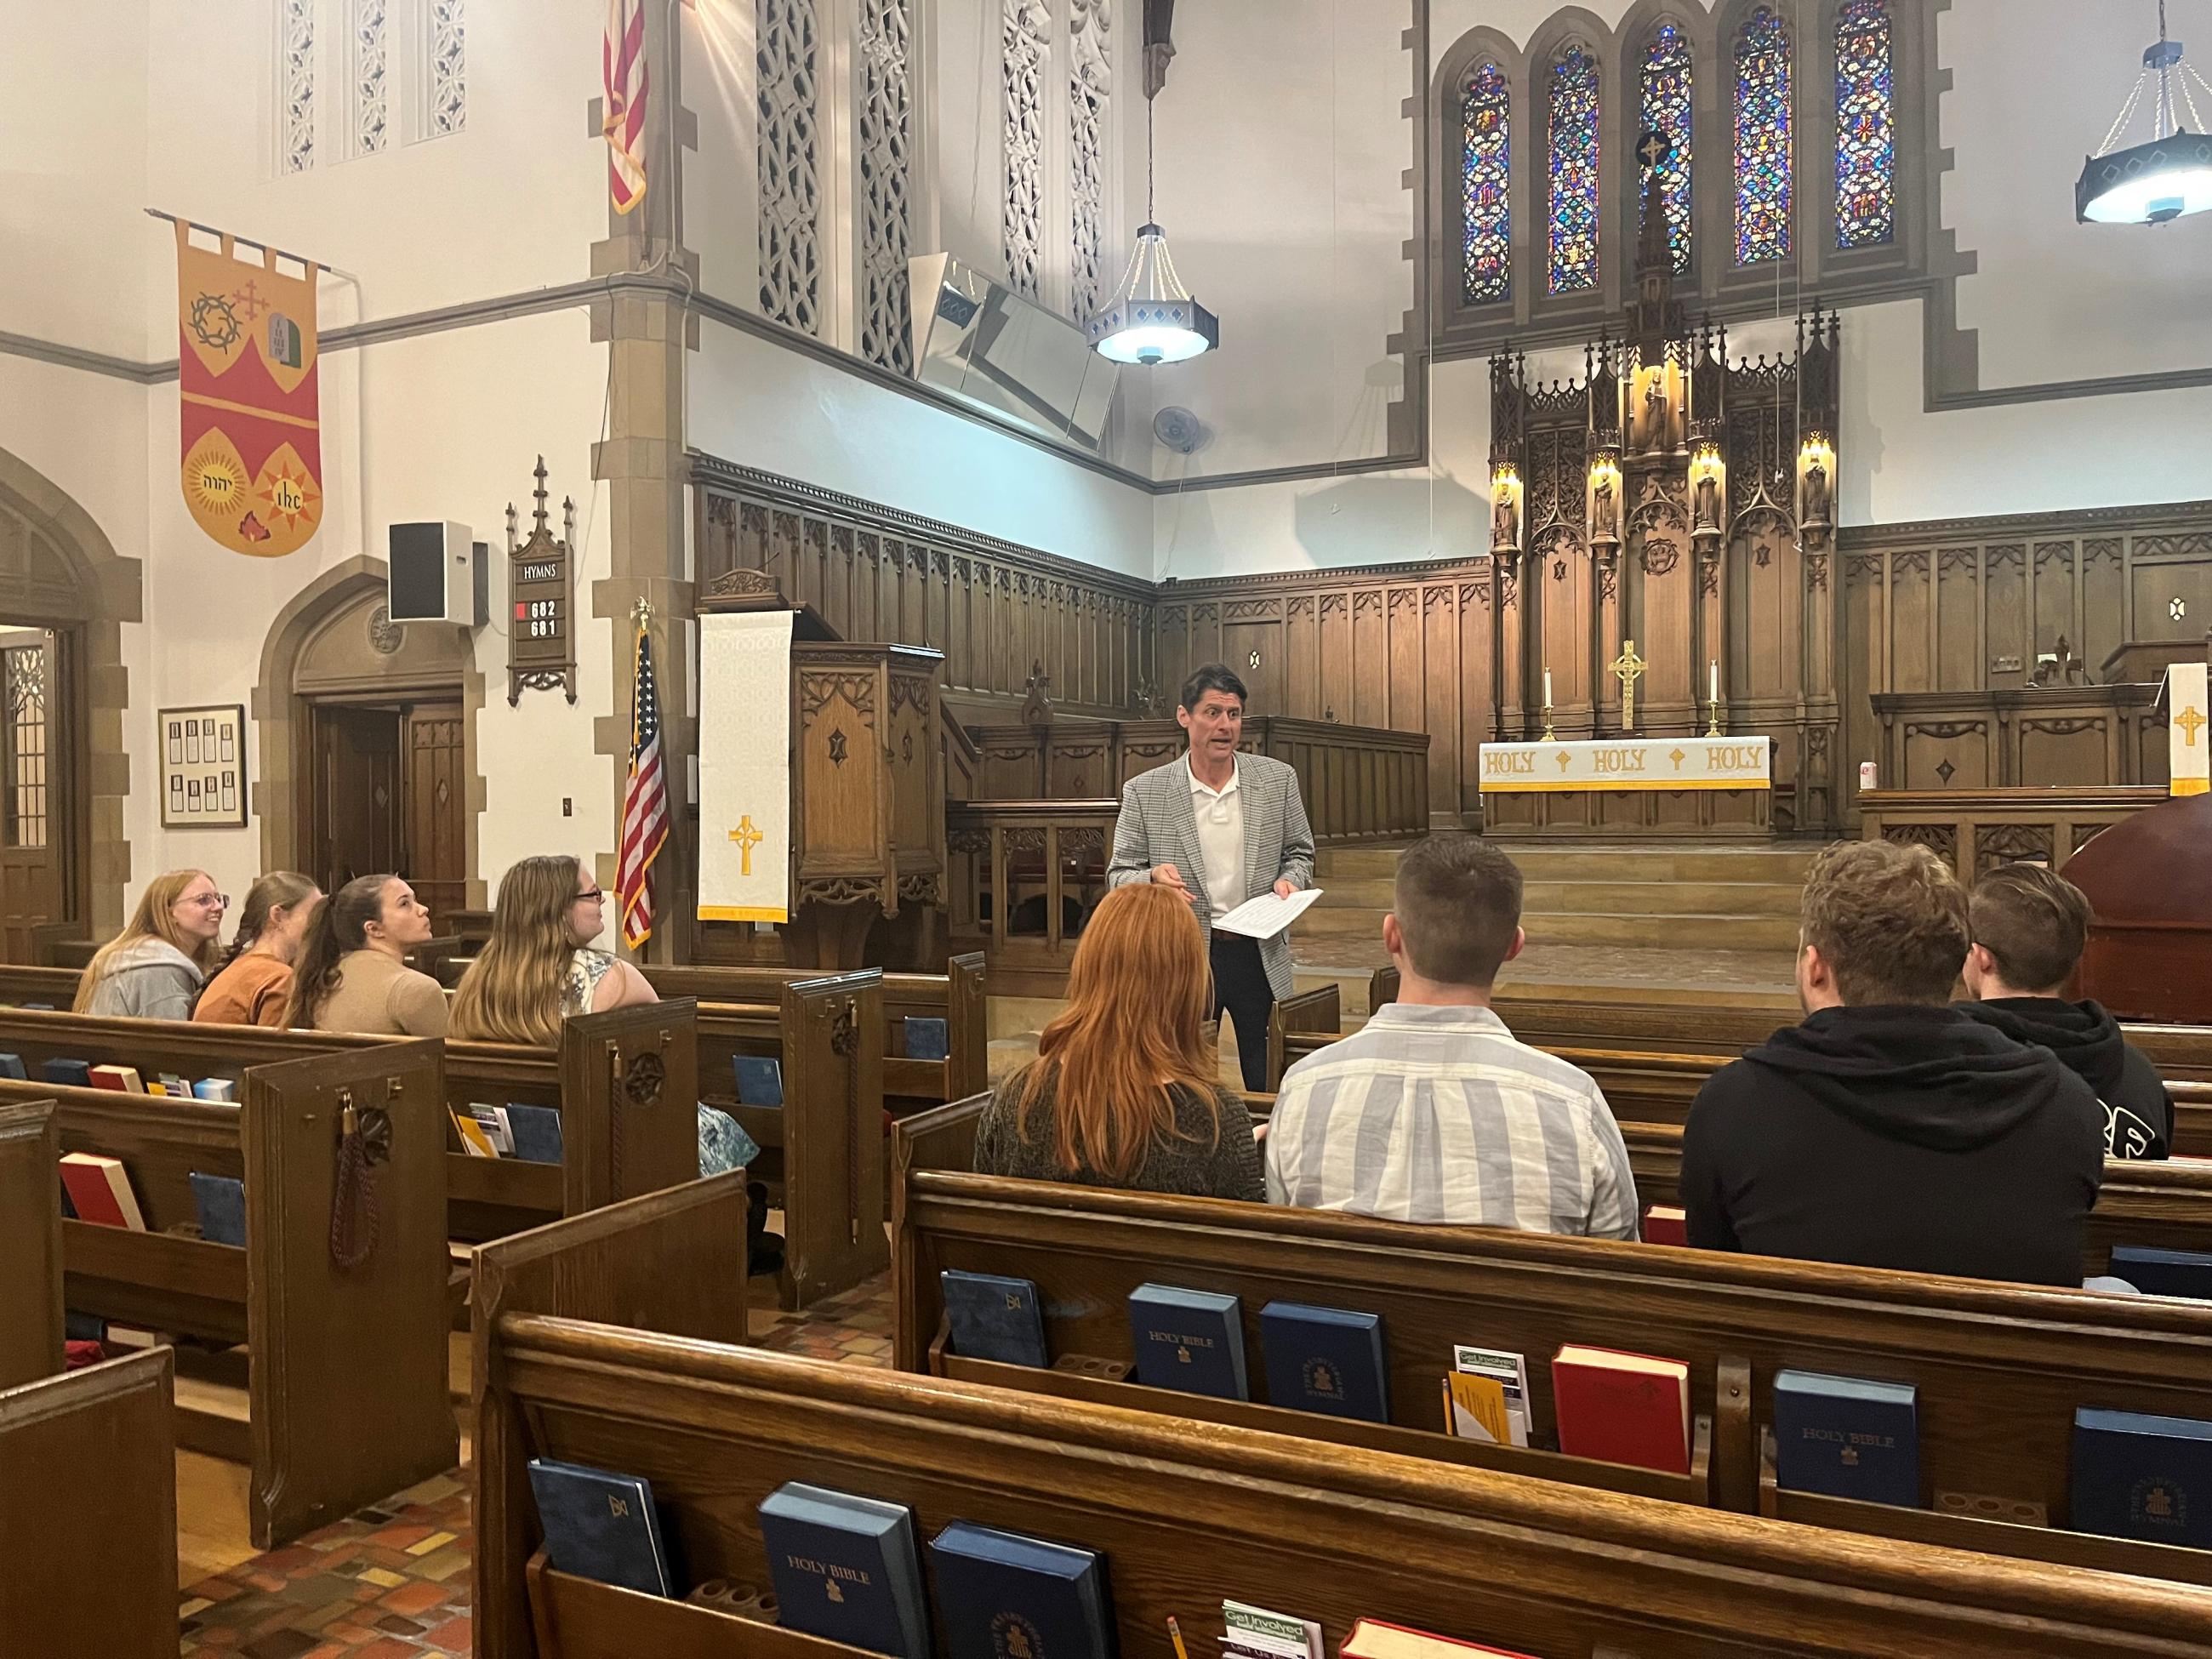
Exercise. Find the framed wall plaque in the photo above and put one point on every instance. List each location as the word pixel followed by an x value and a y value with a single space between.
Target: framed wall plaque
pixel 204 767
pixel 541 650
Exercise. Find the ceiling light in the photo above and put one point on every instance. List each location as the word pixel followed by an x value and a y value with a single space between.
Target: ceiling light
pixel 1150 318
pixel 2166 177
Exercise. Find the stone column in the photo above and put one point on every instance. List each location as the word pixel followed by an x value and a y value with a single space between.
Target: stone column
pixel 647 329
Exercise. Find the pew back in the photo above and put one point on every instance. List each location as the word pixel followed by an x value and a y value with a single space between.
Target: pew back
pixel 1186 1516
pixel 30 1242
pixel 88 1513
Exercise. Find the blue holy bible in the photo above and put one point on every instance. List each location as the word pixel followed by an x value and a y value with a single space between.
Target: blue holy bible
pixel 536 1132
pixel 1846 1437
pixel 2163 1273
pixel 600 1525
pixel 1325 1359
pixel 994 1318
pixel 1193 1341
pixel 11 1066
pixel 760 1080
pixel 1004 1596
pixel 845 1568
pixel 926 1038
pixel 75 1073
pixel 220 1201
pixel 2143 1477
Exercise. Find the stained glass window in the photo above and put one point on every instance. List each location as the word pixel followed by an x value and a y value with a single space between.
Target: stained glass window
pixel 1762 139
pixel 1866 133
pixel 1485 166
pixel 1666 112
pixel 1573 166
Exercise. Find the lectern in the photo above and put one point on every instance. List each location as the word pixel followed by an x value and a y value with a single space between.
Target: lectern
pixel 867 778
pixel 2150 879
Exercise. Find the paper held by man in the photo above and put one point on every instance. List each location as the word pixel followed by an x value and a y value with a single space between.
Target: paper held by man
pixel 1267 916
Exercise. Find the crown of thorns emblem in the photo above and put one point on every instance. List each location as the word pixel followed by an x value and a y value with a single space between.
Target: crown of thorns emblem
pixel 214 323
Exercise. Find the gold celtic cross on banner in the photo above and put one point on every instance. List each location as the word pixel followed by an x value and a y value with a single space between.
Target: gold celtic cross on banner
pixel 747 838
pixel 1628 668
pixel 2191 723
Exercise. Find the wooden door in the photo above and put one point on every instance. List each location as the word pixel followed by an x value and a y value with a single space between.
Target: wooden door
pixel 30 799
pixel 435 857
pixel 356 803
pixel 1254 652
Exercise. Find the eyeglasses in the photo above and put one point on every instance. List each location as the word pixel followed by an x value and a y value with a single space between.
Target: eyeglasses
pixel 210 901
pixel 591 895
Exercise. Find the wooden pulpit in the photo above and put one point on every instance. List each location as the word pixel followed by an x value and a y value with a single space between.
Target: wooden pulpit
pixel 867 779
pixel 2149 878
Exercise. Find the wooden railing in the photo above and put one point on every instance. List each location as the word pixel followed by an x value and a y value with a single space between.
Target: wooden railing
pixel 1975 830
pixel 1360 783
pixel 1023 877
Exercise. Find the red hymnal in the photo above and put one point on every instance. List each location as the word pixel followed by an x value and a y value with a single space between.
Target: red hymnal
pixel 1371 1638
pixel 1666 1223
pixel 99 1190
pixel 124 1079
pixel 1622 1407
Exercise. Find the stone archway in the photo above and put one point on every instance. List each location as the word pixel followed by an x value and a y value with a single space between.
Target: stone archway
pixel 58 568
pixel 334 638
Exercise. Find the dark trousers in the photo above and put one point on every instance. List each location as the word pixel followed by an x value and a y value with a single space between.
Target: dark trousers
pixel 1241 990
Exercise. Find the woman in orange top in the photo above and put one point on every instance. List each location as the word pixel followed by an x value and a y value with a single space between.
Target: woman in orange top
pixel 254 985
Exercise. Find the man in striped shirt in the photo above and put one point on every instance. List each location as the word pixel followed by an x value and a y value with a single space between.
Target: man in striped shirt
pixel 1434 1112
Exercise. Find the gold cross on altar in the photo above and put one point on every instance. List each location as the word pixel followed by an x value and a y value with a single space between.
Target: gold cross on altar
pixel 1628 668
pixel 2190 722
pixel 747 838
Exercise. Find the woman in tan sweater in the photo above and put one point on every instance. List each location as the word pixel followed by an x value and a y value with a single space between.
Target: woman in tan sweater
pixel 254 985
pixel 352 975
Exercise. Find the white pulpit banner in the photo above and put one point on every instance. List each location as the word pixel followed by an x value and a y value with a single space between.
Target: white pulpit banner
pixel 1629 764
pixel 2188 729
pixel 744 767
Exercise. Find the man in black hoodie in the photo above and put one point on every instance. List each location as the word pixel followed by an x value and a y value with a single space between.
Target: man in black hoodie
pixel 1889 1129
pixel 2029 925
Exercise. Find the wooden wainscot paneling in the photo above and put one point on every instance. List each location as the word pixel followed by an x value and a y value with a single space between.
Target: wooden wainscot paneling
pixel 1974 830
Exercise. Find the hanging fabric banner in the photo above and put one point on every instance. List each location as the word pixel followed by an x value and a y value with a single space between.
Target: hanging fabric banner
pixel 624 83
pixel 2188 729
pixel 250 412
pixel 744 767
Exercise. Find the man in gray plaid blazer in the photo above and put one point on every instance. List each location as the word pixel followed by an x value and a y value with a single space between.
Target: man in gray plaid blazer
pixel 1220 828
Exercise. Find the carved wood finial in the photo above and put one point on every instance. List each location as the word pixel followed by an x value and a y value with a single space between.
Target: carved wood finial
pixel 514 526
pixel 541 492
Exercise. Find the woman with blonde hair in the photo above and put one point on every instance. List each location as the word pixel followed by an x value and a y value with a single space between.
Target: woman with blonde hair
pixel 254 985
pixel 154 967
pixel 1125 1090
pixel 539 965
pixel 352 973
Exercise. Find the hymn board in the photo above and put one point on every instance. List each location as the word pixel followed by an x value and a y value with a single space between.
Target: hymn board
pixel 1668 519
pixel 541 650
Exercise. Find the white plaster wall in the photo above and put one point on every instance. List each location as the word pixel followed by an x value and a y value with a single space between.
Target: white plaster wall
pixel 761 405
pixel 1281 155
pixel 73 241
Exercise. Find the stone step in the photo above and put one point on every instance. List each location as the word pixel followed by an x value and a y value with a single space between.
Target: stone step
pixel 1761 898
pixel 1624 861
pixel 1318 928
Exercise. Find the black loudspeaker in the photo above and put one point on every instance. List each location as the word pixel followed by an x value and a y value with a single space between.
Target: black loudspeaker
pixel 438 574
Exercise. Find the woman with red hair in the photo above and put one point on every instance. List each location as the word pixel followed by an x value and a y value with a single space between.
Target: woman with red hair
pixel 1125 1090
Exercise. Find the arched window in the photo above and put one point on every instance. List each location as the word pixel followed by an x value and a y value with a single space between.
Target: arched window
pixel 1485 168
pixel 1572 168
pixel 1666 112
pixel 1866 128
pixel 1763 139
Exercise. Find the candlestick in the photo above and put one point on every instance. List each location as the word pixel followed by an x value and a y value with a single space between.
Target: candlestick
pixel 1548 737
pixel 1713 727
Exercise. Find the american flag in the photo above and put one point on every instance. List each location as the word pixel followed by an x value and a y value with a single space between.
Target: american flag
pixel 645 803
pixel 623 71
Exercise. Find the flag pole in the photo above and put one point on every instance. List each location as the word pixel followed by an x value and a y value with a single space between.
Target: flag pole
pixel 282 254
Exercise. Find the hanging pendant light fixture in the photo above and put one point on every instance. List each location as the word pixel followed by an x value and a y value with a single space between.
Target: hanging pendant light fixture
pixel 1151 317
pixel 2168 176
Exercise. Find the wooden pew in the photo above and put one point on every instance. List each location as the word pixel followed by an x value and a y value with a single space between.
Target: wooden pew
pixel 609 1079
pixel 88 1513
pixel 2000 1368
pixel 1315 1014
pixel 30 1242
pixel 662 1262
pixel 1187 1514
pixel 346 1376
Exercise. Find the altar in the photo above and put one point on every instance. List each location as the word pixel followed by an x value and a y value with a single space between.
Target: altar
pixel 1693 787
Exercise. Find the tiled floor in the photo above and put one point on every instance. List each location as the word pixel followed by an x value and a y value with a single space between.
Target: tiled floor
pixel 393 1582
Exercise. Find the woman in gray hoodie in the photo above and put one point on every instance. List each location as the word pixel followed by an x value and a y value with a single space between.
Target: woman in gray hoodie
pixel 155 968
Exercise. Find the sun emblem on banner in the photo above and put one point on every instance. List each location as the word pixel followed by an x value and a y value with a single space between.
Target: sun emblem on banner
pixel 288 495
pixel 213 323
pixel 215 481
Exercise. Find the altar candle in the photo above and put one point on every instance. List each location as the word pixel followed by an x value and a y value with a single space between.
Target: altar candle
pixel 1716 677
pixel 1548 688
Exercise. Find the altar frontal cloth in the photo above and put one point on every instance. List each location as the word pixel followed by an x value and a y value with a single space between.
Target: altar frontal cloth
pixel 1629 764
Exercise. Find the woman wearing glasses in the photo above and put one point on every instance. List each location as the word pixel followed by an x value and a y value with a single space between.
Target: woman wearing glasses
pixel 154 967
